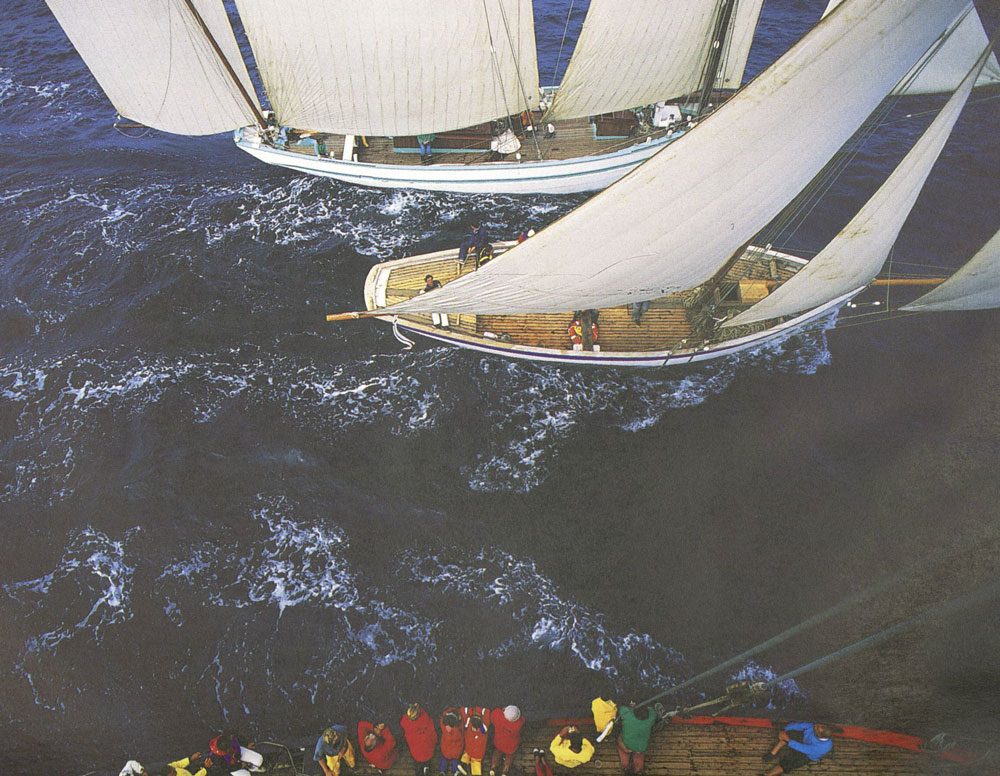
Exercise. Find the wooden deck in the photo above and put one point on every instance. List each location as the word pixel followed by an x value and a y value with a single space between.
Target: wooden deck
pixel 573 138
pixel 682 749
pixel 667 323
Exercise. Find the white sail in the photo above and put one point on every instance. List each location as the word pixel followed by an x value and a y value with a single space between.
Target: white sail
pixel 976 286
pixel 393 67
pixel 740 39
pixel 856 254
pixel 942 70
pixel 156 64
pixel 676 220
pixel 655 51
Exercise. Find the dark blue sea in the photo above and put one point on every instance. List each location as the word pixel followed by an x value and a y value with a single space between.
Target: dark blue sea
pixel 219 510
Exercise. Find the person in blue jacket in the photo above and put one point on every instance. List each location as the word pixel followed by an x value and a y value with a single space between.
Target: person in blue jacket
pixel 800 743
pixel 476 240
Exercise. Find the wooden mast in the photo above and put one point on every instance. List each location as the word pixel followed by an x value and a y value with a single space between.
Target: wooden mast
pixel 229 68
pixel 715 52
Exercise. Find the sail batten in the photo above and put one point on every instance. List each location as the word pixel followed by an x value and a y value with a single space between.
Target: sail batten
pixel 975 286
pixel 854 257
pixel 672 223
pixel 156 64
pixel 393 67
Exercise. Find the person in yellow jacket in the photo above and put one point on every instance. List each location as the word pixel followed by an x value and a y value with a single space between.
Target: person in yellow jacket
pixel 605 713
pixel 180 767
pixel 570 748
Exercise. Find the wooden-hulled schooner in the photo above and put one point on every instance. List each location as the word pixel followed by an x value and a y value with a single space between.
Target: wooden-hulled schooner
pixel 352 84
pixel 680 234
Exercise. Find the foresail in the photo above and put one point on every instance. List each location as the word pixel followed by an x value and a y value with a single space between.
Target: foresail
pixel 942 70
pixel 740 38
pixel 976 286
pixel 156 64
pixel 393 67
pixel 672 223
pixel 658 51
pixel 856 254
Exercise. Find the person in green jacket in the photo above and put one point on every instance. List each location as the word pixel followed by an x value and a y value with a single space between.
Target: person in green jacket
pixel 637 724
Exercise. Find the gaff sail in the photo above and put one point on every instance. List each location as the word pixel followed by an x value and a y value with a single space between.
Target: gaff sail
pixel 393 67
pixel 942 70
pixel 672 223
pixel 976 286
pixel 660 53
pixel 856 254
pixel 156 64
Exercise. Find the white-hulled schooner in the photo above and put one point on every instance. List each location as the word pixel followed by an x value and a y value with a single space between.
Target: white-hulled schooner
pixel 679 234
pixel 352 84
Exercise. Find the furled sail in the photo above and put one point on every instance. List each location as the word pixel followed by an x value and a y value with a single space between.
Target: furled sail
pixel 976 286
pixel 942 70
pixel 393 67
pixel 157 65
pixel 658 52
pixel 856 254
pixel 673 222
pixel 739 40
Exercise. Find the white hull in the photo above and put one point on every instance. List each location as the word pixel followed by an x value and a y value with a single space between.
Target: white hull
pixel 639 359
pixel 567 176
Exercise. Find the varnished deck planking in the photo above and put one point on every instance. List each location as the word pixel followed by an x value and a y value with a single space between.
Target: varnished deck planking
pixel 573 138
pixel 702 750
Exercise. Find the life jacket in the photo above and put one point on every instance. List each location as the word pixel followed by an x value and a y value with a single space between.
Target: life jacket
pixel 475 737
pixel 383 756
pixel 229 758
pixel 421 736
pixel 506 734
pixel 452 738
pixel 576 332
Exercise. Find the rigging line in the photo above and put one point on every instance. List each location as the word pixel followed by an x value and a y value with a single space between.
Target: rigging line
pixel 888 286
pixel 225 62
pixel 941 610
pixel 880 587
pixel 555 69
pixel 909 116
pixel 517 69
pixel 496 63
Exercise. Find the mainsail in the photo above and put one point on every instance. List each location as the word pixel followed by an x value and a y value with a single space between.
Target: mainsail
pixel 393 67
pixel 976 286
pixel 856 254
pixel 157 65
pixel 676 220
pixel 942 70
pixel 617 65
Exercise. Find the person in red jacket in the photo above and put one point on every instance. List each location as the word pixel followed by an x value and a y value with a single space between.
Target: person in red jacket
pixel 452 741
pixel 377 745
pixel 506 737
pixel 477 726
pixel 421 737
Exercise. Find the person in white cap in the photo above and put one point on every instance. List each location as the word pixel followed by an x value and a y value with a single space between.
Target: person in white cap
pixel 507 724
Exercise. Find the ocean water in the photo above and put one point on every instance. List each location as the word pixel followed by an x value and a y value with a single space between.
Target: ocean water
pixel 219 510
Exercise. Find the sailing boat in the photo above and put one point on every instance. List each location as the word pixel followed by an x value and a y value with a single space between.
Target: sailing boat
pixel 357 86
pixel 709 290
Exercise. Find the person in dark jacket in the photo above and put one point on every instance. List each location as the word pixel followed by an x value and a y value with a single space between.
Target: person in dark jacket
pixel 800 743
pixel 476 241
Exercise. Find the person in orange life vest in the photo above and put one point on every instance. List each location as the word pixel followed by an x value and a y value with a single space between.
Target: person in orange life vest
pixel 377 745
pixel 452 741
pixel 477 726
pixel 576 329
pixel 506 737
pixel 421 737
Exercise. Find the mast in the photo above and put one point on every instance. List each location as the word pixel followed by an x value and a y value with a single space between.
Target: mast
pixel 715 52
pixel 229 68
